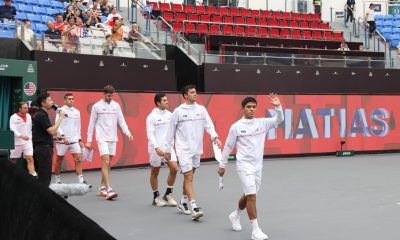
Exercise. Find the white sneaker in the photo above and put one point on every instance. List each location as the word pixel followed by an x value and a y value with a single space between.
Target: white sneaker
pixel 170 200
pixel 196 214
pixel 111 194
pixel 183 208
pixel 159 202
pixel 257 234
pixel 235 220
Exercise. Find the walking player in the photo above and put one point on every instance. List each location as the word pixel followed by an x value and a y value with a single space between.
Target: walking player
pixel 157 125
pixel 187 125
pixel 105 116
pixel 21 125
pixel 248 134
pixel 70 134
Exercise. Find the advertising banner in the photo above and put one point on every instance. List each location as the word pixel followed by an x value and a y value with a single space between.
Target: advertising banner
pixel 313 123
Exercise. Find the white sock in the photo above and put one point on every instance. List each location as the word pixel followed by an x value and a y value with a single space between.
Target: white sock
pixel 58 178
pixel 254 224
pixel 80 178
pixel 34 174
pixel 184 199
pixel 238 211
pixel 193 204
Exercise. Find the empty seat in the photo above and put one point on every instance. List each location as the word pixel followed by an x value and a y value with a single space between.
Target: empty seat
pixel 283 23
pixel 296 16
pixel 228 19
pixel 41 27
pixel 180 17
pixel 276 14
pixel 39 10
pixel 304 24
pixel 239 20
pixel 273 22
pixel 262 32
pixel 328 35
pixel 296 33
pixel 212 10
pixel 285 33
pixel 168 16
pixel 317 35
pixel 239 31
pixel 165 7
pixel 315 17
pixel 189 8
pixel 223 11
pixel 227 30
pixel 190 28
pixel 324 25
pixel 25 8
pixel 20 16
pixel 251 31
pixel 34 18
pixel 205 18
pixel 307 34
pixel 177 7
pixel 201 9
pixel 274 32
pixel 52 11
pixel 177 26
pixel 252 21
pixel 214 29
pixel 247 12
pixel 32 2
pixel 286 15
pixel 235 12
pixel 306 16
pixel 193 17
pixel 202 29
pixel 338 36
pixel 216 18
pixel 57 4
pixel 154 5
pixel 293 24
pixel 46 19
pixel 264 14
pixel 314 25
pixel 262 21
pixel 44 3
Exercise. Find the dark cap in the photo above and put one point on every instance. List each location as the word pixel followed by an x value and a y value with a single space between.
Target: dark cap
pixel 26 20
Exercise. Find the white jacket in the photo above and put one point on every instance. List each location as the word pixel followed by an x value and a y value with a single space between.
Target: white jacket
pixel 187 126
pixel 20 127
pixel 156 127
pixel 70 126
pixel 105 117
pixel 249 137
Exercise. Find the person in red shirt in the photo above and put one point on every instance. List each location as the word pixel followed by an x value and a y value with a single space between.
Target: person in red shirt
pixel 59 23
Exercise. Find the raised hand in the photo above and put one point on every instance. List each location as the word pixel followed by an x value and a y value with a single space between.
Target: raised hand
pixel 273 98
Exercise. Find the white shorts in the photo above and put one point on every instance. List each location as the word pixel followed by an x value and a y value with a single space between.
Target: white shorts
pixel 63 148
pixel 25 150
pixel 155 160
pixel 251 182
pixel 107 148
pixel 187 163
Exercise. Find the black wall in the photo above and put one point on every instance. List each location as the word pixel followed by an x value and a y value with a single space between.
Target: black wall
pixel 14 49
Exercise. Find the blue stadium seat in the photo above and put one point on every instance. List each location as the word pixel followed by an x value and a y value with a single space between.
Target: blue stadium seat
pixel 396 23
pixel 52 11
pixel 103 19
pixel 394 42
pixel 32 2
pixel 39 10
pixel 379 17
pixel 57 4
pixel 20 16
pixel 44 3
pixel 33 27
pixel 389 17
pixel 379 23
pixel 34 18
pixel 388 23
pixel 7 34
pixel 25 8
pixel 396 30
pixel 41 27
pixel 45 19
pixel 18 1
pixel 66 4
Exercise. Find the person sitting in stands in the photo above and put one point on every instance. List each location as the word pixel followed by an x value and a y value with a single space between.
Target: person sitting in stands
pixel 134 33
pixel 69 12
pixel 59 23
pixel 112 17
pixel 344 47
pixel 70 37
pixel 7 11
pixel 117 30
pixel 109 45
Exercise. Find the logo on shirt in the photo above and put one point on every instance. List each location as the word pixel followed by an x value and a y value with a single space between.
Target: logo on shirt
pixel 257 129
pixel 185 116
pixel 159 120
pixel 243 131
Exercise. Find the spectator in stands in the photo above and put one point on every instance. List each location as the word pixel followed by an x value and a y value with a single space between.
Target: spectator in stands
pixel 69 12
pixel 113 16
pixel 81 30
pixel 117 30
pixel 53 33
pixel 109 45
pixel 78 13
pixel 7 11
pixel 78 5
pixel 344 47
pixel 105 8
pixel 96 9
pixel 199 2
pixel 92 19
pixel 370 19
pixel 25 33
pixel 70 38
pixel 86 3
pixel 361 48
pixel 134 33
pixel 59 23
pixel 350 8
pixel 241 3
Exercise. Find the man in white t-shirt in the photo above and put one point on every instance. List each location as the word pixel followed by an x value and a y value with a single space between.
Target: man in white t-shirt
pixel 157 124
pixel 370 18
pixel 21 125
pixel 105 117
pixel 248 134
pixel 188 122
pixel 69 135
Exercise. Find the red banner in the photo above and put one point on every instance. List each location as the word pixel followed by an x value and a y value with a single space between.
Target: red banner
pixel 313 123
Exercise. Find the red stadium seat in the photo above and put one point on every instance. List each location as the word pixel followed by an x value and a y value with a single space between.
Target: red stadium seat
pixel 223 11
pixel 262 21
pixel 177 26
pixel 296 33
pixel 190 28
pixel 328 35
pixel 317 35
pixel 285 33
pixel 255 13
pixel 338 36
pixel 193 17
pixel 168 16
pixel 180 16
pixel 246 12
pixel 202 29
pixel 304 24
pixel 274 32
pixel 189 8
pixel 216 18
pixel 252 21
pixel 265 14
pixel 251 31
pixel 205 18
pixel 286 15
pixel 324 25
pixel 283 23
pixel 314 25
pixel 214 29
pixel 239 31
pixel 276 14
pixel 228 19
pixel 235 12
pixel 315 17
pixel 212 10
pixel 306 16
pixel 239 20
pixel 227 30
pixel 177 8
pixel 293 24
pixel 296 16
pixel 165 7
pixel 201 10
pixel 307 34
pixel 262 32
pixel 155 6
pixel 273 22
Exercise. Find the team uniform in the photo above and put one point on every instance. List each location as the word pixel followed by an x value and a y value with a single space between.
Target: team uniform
pixel 21 126
pixel 70 129
pixel 105 117
pixel 157 124
pixel 187 125
pixel 249 137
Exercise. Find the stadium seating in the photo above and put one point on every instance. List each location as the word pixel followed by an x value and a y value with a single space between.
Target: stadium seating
pixel 389 27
